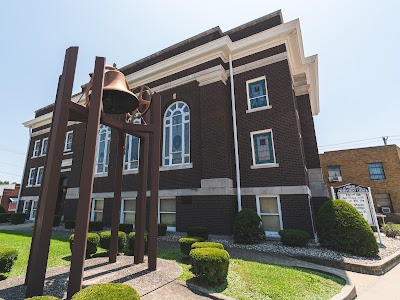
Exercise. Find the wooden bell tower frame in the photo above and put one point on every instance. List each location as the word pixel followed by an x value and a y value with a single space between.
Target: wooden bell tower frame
pixel 65 110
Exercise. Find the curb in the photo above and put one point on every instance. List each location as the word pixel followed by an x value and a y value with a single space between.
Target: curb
pixel 204 291
pixel 372 269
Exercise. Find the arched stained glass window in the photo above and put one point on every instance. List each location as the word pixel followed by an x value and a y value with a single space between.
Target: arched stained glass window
pixel 176 143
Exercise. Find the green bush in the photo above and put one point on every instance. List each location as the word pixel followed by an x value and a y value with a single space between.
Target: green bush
pixel 42 298
pixel 210 265
pixel 17 218
pixel 125 228
pixel 5 218
pixel 247 227
pixel 198 231
pixel 294 237
pixel 56 220
pixel 341 227
pixel 131 241
pixel 105 239
pixel 186 243
pixel 162 229
pixel 92 241
pixel 390 230
pixel 69 224
pixel 96 226
pixel 207 245
pixel 7 258
pixel 2 210
pixel 106 291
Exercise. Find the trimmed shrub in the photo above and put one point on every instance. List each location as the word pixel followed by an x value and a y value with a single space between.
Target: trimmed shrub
pixel 125 228
pixel 162 229
pixel 69 224
pixel 341 227
pixel 17 218
pixel 198 231
pixel 7 258
pixel 96 226
pixel 43 298
pixel 210 265
pixel 186 243
pixel 56 220
pixel 2 210
pixel 106 291
pixel 207 245
pixel 5 218
pixel 92 241
pixel 247 227
pixel 131 241
pixel 390 230
pixel 294 237
pixel 105 239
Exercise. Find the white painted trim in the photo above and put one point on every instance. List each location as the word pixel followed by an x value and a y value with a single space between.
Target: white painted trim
pixel 258 109
pixel 66 170
pixel 30 177
pixel 65 142
pixel 37 176
pixel 176 167
pixel 37 142
pixel 68 153
pixel 169 228
pixel 270 233
pixel 95 175
pixel 25 208
pixel 249 109
pixel 31 218
pixel 133 171
pixel 30 198
pixel 256 166
pixel 121 218
pixel 66 162
pixel 41 148
pixel 92 211
pixel 260 63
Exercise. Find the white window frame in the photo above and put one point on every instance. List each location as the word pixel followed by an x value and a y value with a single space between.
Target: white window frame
pixel 127 164
pixel 265 165
pixel 31 178
pixel 106 150
pixel 31 216
pixel 66 149
pixel 169 228
pixel 93 211
pixel 121 218
pixel 42 147
pixel 268 106
pixel 170 154
pixel 25 207
pixel 278 200
pixel 36 149
pixel 37 183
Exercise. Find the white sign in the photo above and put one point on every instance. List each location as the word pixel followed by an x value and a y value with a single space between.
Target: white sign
pixel 360 201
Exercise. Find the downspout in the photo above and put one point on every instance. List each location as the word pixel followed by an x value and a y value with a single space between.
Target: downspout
pixel 235 138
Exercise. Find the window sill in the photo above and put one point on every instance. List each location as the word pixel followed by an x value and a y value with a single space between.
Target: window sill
pixel 258 109
pixel 275 165
pixel 36 185
pixel 67 152
pixel 29 186
pixel 176 167
pixel 100 175
pixel 42 155
pixel 171 229
pixel 127 172
pixel 34 156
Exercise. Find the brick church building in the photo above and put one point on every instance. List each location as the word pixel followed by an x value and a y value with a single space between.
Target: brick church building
pixel 238 132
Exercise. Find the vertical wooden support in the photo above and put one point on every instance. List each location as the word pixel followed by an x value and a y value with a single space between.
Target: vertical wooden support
pixel 116 209
pixel 140 218
pixel 155 178
pixel 86 184
pixel 36 269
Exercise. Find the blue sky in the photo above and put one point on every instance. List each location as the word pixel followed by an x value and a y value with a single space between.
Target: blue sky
pixel 357 43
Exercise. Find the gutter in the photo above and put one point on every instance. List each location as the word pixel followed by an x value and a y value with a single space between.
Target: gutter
pixel 235 138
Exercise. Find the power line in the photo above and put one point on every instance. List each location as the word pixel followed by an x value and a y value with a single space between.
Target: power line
pixel 11 165
pixel 357 141
pixel 10 174
pixel 12 150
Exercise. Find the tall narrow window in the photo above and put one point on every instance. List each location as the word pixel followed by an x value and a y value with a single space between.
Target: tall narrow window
pixel 103 149
pixel 68 141
pixel 32 215
pixel 176 135
pixel 262 147
pixel 257 95
pixel 39 176
pixel 167 213
pixel 32 177
pixel 97 210
pixel 376 171
pixel 44 146
pixel 269 210
pixel 132 145
pixel 36 149
pixel 128 211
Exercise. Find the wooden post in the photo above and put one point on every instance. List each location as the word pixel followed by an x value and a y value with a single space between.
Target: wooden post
pixel 86 184
pixel 36 269
pixel 155 178
pixel 116 209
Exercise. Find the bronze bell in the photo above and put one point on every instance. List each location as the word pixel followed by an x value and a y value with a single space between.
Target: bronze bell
pixel 117 98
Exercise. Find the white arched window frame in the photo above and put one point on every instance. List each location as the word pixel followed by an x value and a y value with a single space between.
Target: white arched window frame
pixel 103 149
pixel 132 147
pixel 176 138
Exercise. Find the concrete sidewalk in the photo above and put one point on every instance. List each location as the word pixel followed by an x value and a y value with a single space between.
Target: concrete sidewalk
pixel 24 226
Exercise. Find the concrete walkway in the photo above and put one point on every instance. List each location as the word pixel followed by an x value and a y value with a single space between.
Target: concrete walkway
pixel 24 226
pixel 174 291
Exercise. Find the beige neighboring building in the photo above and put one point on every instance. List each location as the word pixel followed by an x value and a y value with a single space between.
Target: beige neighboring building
pixel 376 167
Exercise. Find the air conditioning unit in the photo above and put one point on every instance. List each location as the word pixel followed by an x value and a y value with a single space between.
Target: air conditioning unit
pixel 335 179
pixel 386 210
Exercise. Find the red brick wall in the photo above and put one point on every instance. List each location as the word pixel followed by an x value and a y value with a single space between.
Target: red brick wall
pixel 7 194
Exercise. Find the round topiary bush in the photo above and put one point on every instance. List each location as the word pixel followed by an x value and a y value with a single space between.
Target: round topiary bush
pixel 105 239
pixel 7 258
pixel 92 241
pixel 247 227
pixel 341 227
pixel 294 237
pixel 198 231
pixel 210 265
pixel 207 245
pixel 106 291
pixel 186 243
pixel 131 241
pixel 42 298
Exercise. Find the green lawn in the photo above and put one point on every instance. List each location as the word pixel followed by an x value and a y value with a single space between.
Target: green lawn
pixel 246 279
pixel 397 225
